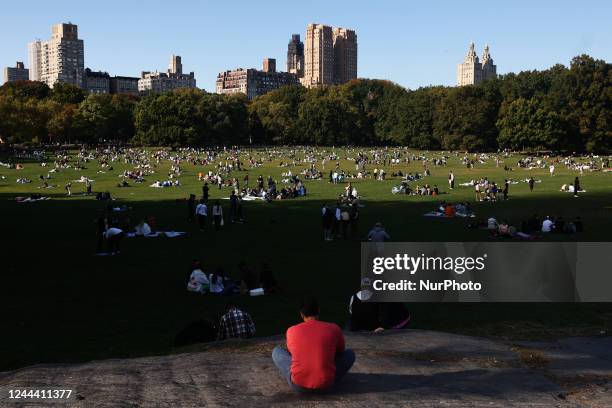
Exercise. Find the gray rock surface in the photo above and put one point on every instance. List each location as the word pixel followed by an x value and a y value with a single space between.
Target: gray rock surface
pixel 408 368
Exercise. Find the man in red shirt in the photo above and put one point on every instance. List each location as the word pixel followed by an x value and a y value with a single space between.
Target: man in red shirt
pixel 316 358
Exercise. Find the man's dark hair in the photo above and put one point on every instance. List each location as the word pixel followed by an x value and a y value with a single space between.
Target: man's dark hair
pixel 309 307
pixel 230 305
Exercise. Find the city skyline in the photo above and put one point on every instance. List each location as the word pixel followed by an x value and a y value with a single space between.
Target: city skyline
pixel 413 46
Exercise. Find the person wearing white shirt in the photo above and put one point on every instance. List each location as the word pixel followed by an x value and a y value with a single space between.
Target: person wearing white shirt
pixel 113 235
pixel 492 224
pixel 547 225
pixel 198 281
pixel 201 211
pixel 143 229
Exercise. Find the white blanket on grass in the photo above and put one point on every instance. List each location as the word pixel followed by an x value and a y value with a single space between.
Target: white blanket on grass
pixel 442 215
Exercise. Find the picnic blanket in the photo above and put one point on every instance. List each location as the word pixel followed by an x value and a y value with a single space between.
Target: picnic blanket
pixel 247 198
pixel 30 199
pixel 442 215
pixel 157 234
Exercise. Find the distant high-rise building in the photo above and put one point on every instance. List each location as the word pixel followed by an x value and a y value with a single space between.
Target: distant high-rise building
pixel 176 67
pixel 252 82
pixel 472 72
pixel 60 59
pixel 489 69
pixel 269 65
pixel 17 73
pixel 295 56
pixel 318 56
pixel 345 55
pixel 330 55
pixel 162 82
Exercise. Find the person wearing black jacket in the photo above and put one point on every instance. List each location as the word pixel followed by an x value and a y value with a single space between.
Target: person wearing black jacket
pixel 376 316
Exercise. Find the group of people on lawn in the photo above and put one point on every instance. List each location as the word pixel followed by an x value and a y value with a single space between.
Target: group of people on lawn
pixel 534 227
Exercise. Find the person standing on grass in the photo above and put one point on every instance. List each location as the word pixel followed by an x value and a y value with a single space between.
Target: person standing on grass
pixel 531 183
pixel 506 188
pixel 316 357
pixel 217 212
pixel 338 221
pixel 378 234
pixel 233 206
pixel 67 188
pixel 101 227
pixel 191 206
pixel 239 213
pixel 451 180
pixel 205 190
pixel 328 223
pixel 576 186
pixel 201 212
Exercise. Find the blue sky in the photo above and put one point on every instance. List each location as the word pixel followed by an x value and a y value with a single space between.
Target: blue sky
pixel 412 43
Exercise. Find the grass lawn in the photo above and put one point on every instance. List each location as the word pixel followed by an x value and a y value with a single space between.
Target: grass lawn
pixel 61 303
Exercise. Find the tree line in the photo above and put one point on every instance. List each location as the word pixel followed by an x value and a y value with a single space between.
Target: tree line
pixel 561 108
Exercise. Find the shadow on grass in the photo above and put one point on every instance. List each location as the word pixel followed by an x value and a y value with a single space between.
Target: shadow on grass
pixel 63 304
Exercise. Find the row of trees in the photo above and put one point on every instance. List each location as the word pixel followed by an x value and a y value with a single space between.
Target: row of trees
pixel 559 109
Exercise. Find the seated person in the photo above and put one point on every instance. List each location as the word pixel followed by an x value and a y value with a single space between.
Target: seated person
pixel 143 229
pixel 316 357
pixel 492 224
pixel 235 324
pixel 113 235
pixel 449 210
pixel 560 225
pixel 502 228
pixel 248 279
pixel 216 284
pixel 578 224
pixel 548 225
pixel 198 281
pixel 375 316
pixel 267 280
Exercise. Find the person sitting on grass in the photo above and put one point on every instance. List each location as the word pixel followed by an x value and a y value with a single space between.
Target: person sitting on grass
pixel 492 224
pixel 248 278
pixel 216 284
pixel 143 228
pixel 235 324
pixel 376 316
pixel 548 225
pixel 502 228
pixel 198 281
pixel 267 280
pixel 449 210
pixel 113 236
pixel 316 357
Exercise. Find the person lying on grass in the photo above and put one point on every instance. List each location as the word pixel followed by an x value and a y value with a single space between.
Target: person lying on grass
pixel 316 358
